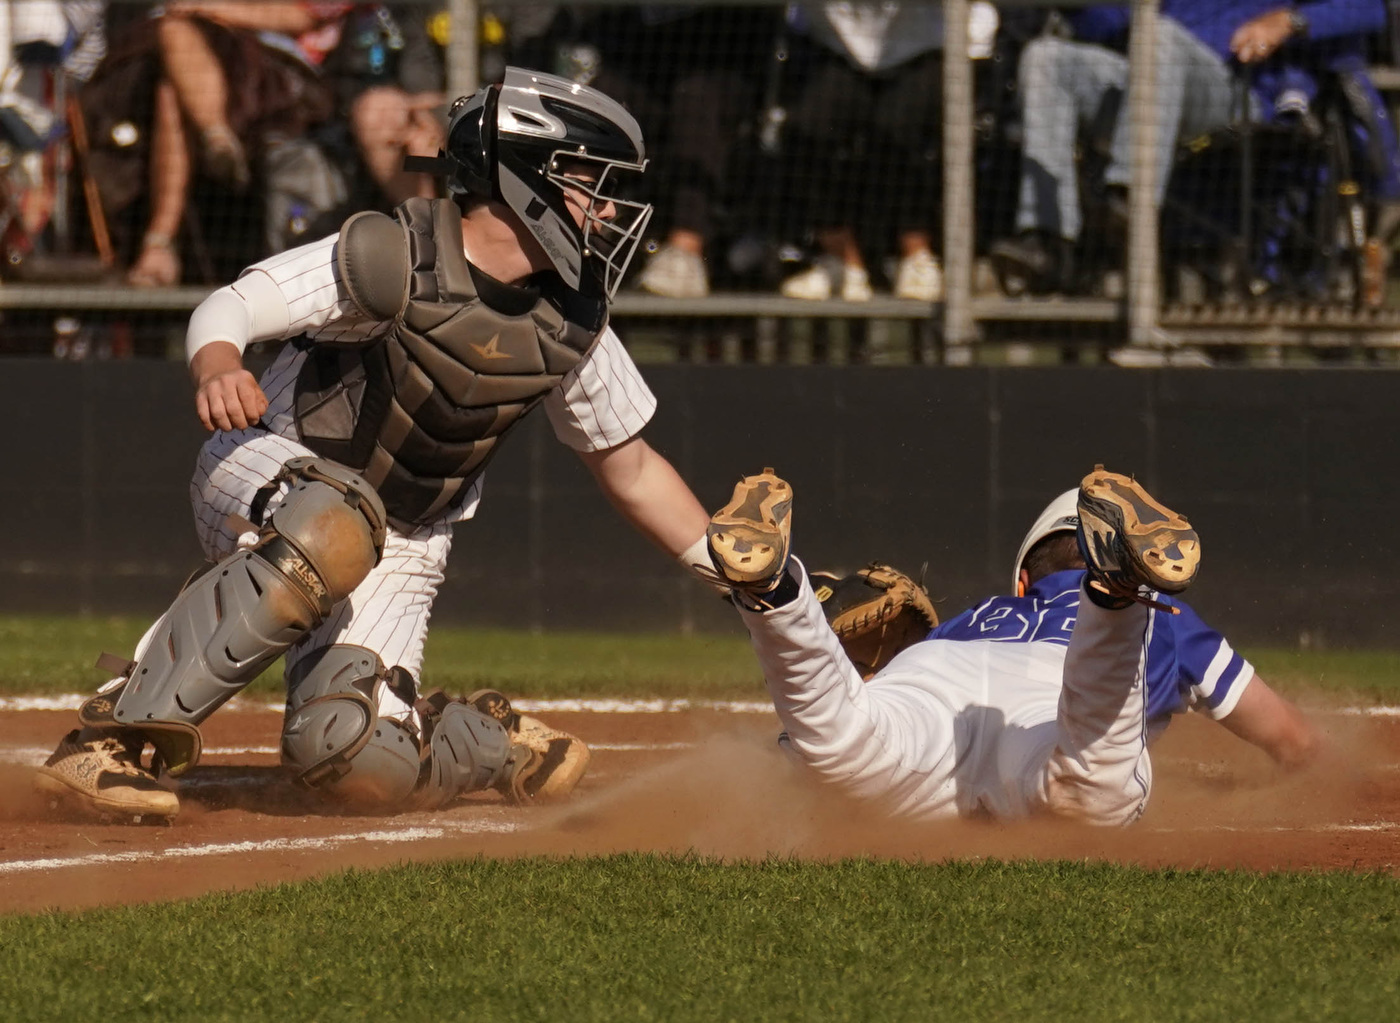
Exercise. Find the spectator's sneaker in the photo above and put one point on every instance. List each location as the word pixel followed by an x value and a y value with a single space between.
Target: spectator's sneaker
pixel 750 537
pixel 546 764
pixel 818 283
pixel 98 775
pixel 675 273
pixel 855 284
pixel 812 284
pixel 1033 263
pixel 919 277
pixel 1131 542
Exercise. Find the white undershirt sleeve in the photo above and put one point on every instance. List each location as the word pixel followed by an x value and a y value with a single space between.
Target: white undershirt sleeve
pixel 251 309
pixel 294 292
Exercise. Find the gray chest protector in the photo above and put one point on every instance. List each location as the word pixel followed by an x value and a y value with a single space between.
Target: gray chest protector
pixel 419 411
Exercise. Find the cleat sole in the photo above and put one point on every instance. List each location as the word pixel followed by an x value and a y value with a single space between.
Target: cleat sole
pixel 63 796
pixel 748 537
pixel 1159 542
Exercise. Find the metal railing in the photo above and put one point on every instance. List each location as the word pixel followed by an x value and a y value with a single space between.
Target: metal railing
pixel 951 329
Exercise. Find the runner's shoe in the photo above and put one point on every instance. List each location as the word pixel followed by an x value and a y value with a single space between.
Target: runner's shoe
pixel 546 763
pixel 1131 542
pixel 750 537
pixel 97 774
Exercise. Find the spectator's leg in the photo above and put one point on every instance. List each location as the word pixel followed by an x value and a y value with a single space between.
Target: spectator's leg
pixel 202 90
pixel 194 71
pixel 158 264
pixel 703 109
pixel 822 160
pixel 1194 95
pixel 1063 85
pixel 387 123
pixel 1099 771
pixel 907 114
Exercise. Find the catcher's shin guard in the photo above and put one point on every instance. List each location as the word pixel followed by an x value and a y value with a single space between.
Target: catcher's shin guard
pixel 334 738
pixel 233 621
pixel 468 751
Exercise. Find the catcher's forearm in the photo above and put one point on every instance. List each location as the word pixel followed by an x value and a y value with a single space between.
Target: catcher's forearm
pixel 648 492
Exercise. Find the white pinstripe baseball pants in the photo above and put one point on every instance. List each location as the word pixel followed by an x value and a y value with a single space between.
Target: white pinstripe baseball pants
pixel 387 613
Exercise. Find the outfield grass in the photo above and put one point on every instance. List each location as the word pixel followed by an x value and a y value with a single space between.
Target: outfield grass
pixel 646 937
pixel 56 655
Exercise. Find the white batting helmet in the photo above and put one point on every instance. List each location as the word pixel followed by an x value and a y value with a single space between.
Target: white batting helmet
pixel 1060 516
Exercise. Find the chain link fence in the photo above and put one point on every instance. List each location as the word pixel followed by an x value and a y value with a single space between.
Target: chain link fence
pixel 863 182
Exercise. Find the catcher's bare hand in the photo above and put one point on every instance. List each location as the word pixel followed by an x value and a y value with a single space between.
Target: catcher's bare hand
pixel 227 396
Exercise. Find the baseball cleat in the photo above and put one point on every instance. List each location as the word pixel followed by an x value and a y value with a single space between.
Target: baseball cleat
pixel 545 763
pixel 98 775
pixel 750 537
pixel 1131 542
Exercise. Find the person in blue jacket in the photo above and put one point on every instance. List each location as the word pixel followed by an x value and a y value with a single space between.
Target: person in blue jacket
pixel 1201 45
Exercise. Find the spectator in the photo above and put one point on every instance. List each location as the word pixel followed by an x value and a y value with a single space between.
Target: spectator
pixel 1065 83
pixel 39 40
pixel 271 50
pixel 863 144
pixel 387 73
pixel 698 75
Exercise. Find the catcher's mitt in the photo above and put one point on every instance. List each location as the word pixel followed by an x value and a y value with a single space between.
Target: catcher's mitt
pixel 876 613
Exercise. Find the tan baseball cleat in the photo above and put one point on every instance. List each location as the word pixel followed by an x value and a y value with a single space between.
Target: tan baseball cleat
pixel 97 775
pixel 750 537
pixel 552 762
pixel 1131 541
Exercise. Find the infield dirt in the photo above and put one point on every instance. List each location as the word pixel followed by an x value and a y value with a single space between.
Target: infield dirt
pixel 706 781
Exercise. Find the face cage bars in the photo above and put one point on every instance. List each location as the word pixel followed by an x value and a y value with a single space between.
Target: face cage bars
pixel 613 242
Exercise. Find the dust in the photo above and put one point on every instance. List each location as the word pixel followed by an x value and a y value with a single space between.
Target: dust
pixel 1217 802
pixel 18 799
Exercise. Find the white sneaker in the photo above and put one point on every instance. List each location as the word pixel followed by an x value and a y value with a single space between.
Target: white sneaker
pixel 818 283
pixel 919 277
pixel 855 284
pixel 813 284
pixel 675 273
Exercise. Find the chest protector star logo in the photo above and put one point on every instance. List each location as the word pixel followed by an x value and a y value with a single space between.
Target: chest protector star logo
pixel 491 349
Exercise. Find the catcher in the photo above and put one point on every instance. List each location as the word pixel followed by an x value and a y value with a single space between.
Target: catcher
pixel 1047 700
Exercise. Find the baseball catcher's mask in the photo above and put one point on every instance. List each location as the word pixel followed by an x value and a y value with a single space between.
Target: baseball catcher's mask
pixel 537 142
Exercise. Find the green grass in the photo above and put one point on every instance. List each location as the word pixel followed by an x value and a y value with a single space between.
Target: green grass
pixel 55 655
pixel 642 937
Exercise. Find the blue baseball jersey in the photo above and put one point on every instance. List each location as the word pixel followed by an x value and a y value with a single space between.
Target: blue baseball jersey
pixel 1189 664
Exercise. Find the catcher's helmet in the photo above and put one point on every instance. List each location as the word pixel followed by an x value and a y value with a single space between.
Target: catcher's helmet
pixel 526 140
pixel 1060 516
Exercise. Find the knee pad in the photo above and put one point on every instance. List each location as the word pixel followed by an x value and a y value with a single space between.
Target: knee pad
pixel 467 751
pixel 230 623
pixel 334 738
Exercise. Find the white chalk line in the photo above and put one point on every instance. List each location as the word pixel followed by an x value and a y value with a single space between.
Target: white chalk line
pixel 72 701
pixel 416 833
pixel 1281 828
pixel 33 756
pixel 597 705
